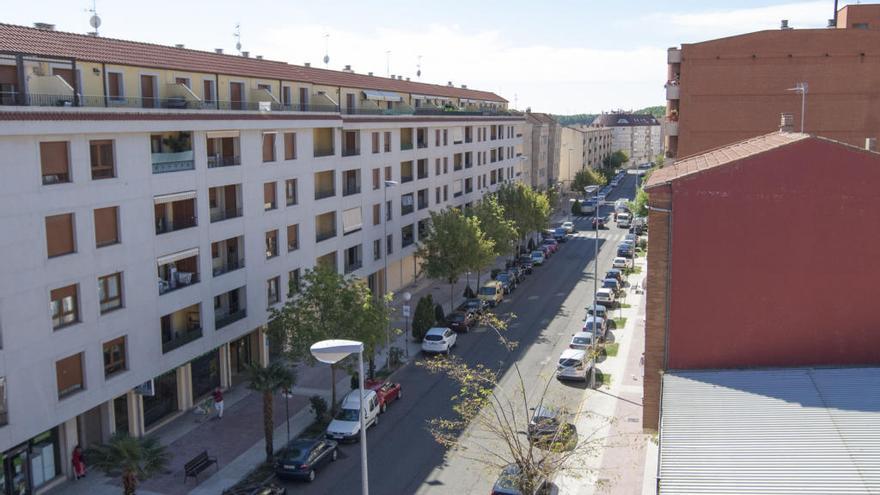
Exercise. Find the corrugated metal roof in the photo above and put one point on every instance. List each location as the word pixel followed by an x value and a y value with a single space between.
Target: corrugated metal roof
pixel 787 431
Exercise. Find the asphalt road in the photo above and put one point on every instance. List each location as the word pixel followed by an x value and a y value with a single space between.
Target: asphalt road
pixel 549 307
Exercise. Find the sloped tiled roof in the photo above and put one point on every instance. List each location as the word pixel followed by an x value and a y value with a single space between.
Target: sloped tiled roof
pixel 624 120
pixel 47 43
pixel 541 118
pixel 722 156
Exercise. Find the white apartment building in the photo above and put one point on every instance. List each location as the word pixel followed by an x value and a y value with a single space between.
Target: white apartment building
pixel 582 147
pixel 153 215
pixel 639 136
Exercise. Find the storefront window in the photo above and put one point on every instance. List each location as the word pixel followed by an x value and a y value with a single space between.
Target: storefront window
pixel 120 413
pixel 164 400
pixel 45 459
pixel 205 373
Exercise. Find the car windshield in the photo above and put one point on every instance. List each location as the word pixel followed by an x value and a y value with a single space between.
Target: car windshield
pixel 501 277
pixel 433 338
pixel 569 363
pixel 347 415
pixel 589 325
pixel 293 453
pixel 580 341
pixel 487 291
pixel 537 254
pixel 609 283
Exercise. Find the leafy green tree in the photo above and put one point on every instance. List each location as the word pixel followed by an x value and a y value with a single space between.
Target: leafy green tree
pixel 423 318
pixel 454 244
pixel 496 227
pixel 576 208
pixel 615 160
pixel 268 381
pixel 529 210
pixel 586 177
pixel 658 112
pixel 639 206
pixel 133 459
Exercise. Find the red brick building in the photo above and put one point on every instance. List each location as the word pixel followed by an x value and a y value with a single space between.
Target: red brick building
pixel 728 89
pixel 762 253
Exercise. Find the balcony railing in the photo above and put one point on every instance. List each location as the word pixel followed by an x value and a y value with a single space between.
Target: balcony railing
pixel 325 193
pixel 351 151
pixel 224 319
pixel 182 280
pixel 225 214
pixel 223 161
pixel 163 225
pixel 180 339
pixel 173 103
pixel 229 266
pixel 324 235
pixel 422 144
pixel 354 265
pixel 406 146
pixel 172 162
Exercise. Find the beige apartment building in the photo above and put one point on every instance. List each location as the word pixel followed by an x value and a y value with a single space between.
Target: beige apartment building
pixel 158 201
pixel 541 143
pixel 640 136
pixel 582 147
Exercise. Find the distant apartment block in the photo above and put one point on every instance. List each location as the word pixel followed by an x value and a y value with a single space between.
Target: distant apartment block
pixel 582 147
pixel 637 135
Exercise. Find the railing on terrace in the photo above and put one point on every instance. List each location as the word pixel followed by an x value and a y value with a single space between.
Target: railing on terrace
pixel 229 266
pixel 185 280
pixel 173 162
pixel 177 103
pixel 225 319
pixel 225 213
pixel 180 339
pixel 223 161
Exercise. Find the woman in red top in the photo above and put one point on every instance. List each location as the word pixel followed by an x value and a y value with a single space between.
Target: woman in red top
pixel 79 463
pixel 218 402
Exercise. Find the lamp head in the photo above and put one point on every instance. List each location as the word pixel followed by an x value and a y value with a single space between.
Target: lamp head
pixel 334 350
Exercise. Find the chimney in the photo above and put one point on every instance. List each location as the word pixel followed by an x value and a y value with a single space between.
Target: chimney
pixel 44 26
pixel 786 122
pixel 307 64
pixel 218 50
pixel 407 79
pixel 784 25
pixel 871 144
pixel 259 57
pixel 179 45
pixel 449 84
pixel 400 78
pixel 832 23
pixel 245 54
pixel 369 73
pixel 464 86
pixel 392 76
pixel 347 69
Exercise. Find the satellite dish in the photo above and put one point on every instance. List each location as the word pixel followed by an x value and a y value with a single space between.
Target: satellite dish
pixel 326 59
pixel 95 21
pixel 238 46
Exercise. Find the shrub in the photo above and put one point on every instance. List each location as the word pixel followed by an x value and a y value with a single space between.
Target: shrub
pixel 439 314
pixel 423 318
pixel 576 208
pixel 318 406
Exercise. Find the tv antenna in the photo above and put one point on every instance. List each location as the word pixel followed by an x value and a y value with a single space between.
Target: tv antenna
pixel 237 35
pixel 387 62
pixel 94 20
pixel 801 88
pixel 326 49
pixel 419 68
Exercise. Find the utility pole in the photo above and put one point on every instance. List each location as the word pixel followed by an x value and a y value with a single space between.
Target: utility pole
pixel 801 88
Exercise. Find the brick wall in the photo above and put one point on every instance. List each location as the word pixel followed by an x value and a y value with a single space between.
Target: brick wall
pixel 656 294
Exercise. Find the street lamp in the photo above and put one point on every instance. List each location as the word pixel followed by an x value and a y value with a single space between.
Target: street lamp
pixel 406 309
pixel 331 352
pixel 384 246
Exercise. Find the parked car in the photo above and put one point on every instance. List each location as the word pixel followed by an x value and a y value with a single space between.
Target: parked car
pixel 599 326
pixel 639 226
pixel 623 220
pixel 474 306
pixel 552 244
pixel 548 234
pixel 460 321
pixel 560 234
pixel 537 257
pixel 302 457
pixel 581 340
pixel 517 273
pixel 597 310
pixel 508 283
pixel 568 226
pixel 387 392
pixel 346 426
pixel 548 251
pixel 507 483
pixel 606 298
pixel 625 250
pixel 632 237
pixel 492 292
pixel 613 284
pixel 646 166
pixel 573 364
pixel 616 274
pixel 620 262
pixel 438 340
pixel 600 221
pixel 525 263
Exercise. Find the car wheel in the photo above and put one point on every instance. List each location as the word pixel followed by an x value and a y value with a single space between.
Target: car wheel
pixel 384 407
pixel 334 455
pixel 311 476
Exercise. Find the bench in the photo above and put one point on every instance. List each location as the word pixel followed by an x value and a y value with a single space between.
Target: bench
pixel 198 464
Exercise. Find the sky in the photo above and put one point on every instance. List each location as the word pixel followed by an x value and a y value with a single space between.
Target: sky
pixel 556 56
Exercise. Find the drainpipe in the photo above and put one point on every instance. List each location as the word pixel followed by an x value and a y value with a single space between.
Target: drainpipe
pixel 217 91
pixel 76 87
pixel 104 83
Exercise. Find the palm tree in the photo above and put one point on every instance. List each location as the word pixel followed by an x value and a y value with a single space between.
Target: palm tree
pixel 134 459
pixel 267 381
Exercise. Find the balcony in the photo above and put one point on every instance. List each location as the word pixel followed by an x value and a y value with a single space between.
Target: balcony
pixel 217 161
pixel 422 137
pixel 353 259
pixel 406 171
pixel 407 205
pixel 673 90
pixel 225 202
pixel 325 185
pixel 229 307
pixel 223 319
pixel 178 270
pixel 325 226
pixel 351 182
pixel 670 127
pixel 173 215
pixel 218 215
pixel 180 328
pixel 673 55
pixel 171 152
pixel 406 139
pixel 323 142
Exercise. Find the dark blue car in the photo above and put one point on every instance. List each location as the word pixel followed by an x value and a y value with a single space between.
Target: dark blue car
pixel 302 457
pixel 625 250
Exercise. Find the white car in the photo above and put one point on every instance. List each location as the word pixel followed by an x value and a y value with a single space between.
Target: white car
pixel 619 262
pixel 346 426
pixel 596 325
pixel 573 364
pixel 438 340
pixel 606 298
pixel 581 340
pixel 568 226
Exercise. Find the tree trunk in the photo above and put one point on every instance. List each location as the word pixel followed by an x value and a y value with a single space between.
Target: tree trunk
pixel 129 483
pixel 451 297
pixel 372 365
pixel 268 425
pixel 478 280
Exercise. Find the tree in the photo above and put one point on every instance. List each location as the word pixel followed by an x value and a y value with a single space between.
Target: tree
pixel 496 227
pixel 268 381
pixel 454 244
pixel 586 177
pixel 133 459
pixel 639 206
pixel 529 210
pixel 423 318
pixel 576 208
pixel 615 160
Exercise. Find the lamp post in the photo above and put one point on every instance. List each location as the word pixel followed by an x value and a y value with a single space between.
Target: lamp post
pixel 384 247
pixel 406 309
pixel 331 352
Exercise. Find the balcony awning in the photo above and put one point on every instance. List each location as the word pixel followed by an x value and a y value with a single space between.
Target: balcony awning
pixel 182 255
pixel 372 94
pixel 170 198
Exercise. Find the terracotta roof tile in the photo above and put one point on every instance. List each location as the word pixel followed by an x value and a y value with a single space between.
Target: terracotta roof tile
pixel 21 39
pixel 722 156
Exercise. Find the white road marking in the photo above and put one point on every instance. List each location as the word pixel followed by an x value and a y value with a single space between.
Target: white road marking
pixel 534 298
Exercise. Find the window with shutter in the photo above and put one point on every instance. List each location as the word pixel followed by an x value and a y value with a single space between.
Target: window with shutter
pixel 55 162
pixel 59 235
pixel 269 202
pixel 289 145
pixel 103 166
pixel 106 226
pixel 110 292
pixel 69 375
pixel 64 306
pixel 114 357
pixel 268 147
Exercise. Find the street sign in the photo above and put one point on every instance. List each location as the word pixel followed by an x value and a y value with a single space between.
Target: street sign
pixel 406 310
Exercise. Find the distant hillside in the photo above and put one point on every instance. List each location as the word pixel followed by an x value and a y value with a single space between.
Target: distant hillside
pixel 587 118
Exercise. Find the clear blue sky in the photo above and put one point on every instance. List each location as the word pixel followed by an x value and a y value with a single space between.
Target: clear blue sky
pixel 560 56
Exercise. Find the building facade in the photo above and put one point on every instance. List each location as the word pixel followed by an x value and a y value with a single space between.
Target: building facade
pixel 156 209
pixel 725 90
pixel 639 136
pixel 582 147
pixel 542 137
pixel 730 286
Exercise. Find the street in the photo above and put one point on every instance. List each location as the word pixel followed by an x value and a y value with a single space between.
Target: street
pixel 549 307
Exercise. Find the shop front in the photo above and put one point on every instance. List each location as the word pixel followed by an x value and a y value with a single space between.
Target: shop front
pixel 205 373
pixel 30 465
pixel 243 353
pixel 163 401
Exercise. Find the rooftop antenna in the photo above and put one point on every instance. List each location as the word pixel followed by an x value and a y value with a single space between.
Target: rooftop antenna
pixel 419 68
pixel 801 88
pixel 387 62
pixel 515 99
pixel 326 49
pixel 237 35
pixel 94 20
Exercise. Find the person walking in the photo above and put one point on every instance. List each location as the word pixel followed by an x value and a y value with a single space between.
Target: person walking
pixel 218 402
pixel 79 463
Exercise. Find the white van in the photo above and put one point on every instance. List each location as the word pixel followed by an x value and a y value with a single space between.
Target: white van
pixel 346 425
pixel 623 220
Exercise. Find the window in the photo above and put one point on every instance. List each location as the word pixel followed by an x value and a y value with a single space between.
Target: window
pixel 55 162
pixel 101 154
pixel 387 142
pixel 351 143
pixel 110 292
pixel 65 306
pixel 377 213
pixel 271 244
pixel 388 214
pixel 114 357
pixel 445 137
pixel 292 237
pixel 445 164
pixel 437 166
pixel 422 228
pixel 422 197
pixel 293 284
pixel 268 147
pixel 389 243
pixel 437 137
pixel 272 293
pixel 406 204
pixel 59 235
pixel 208 91
pixel 351 182
pixel 406 171
pixel 325 226
pixel 375 142
pixel 115 89
pixel 422 169
pixel 4 407
pixel 437 196
pixel 290 191
pixel 106 226
pixel 376 179
pixel 352 220
pixel 290 146
pixel 69 375
pixel 388 173
pixel 322 142
pixel 407 235
pixel 325 184
pixel 446 192
pixel 269 201
pixel 353 258
pixel 377 249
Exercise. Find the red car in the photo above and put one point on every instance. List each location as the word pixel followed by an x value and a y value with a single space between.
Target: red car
pixel 552 244
pixel 386 391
